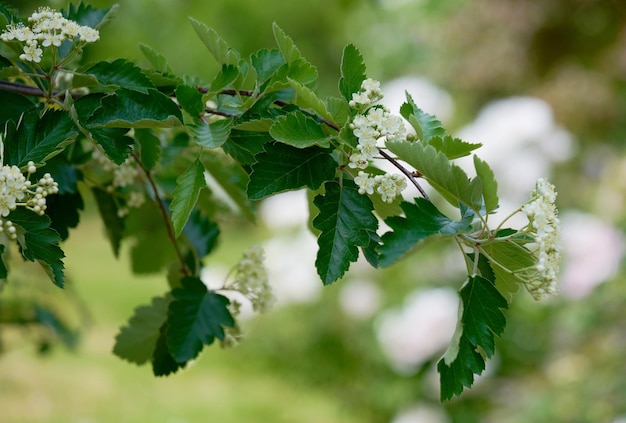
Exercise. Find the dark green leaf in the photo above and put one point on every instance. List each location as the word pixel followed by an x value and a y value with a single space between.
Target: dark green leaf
pixel 346 222
pixel 113 224
pixel 39 242
pixel 422 220
pixel 282 168
pixel 87 15
pixel 185 196
pixel 352 72
pixel 64 207
pixel 190 99
pixel 201 233
pixel 426 126
pixel 215 44
pixel 244 145
pixel 211 135
pixel 4 271
pixel 137 341
pixel 132 109
pixel 299 130
pixel 452 147
pixel 39 138
pixel 163 364
pixel 482 319
pixel 149 147
pixel 12 106
pixel 120 73
pixel 196 317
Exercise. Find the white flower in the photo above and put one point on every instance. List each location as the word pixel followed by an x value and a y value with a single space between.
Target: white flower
pixel 389 186
pixel 252 280
pixel 544 228
pixel 358 160
pixel 365 183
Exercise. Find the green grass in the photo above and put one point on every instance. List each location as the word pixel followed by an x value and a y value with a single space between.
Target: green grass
pixel 93 385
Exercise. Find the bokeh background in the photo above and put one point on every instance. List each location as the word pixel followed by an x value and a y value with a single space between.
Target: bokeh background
pixel 541 84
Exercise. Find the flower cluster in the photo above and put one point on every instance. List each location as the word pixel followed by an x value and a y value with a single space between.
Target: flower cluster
pixel 251 280
pixel 370 93
pixel 389 186
pixel 47 28
pixel 544 228
pixel 17 190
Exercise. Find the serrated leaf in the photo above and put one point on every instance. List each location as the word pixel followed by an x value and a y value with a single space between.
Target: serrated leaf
pixel 120 73
pixel 352 72
pixel 63 208
pixel 196 317
pixel 281 167
pixel 39 242
pixel 300 70
pixel 132 109
pixel 116 145
pixel 88 15
pixel 201 233
pixel 339 110
pixel 426 126
pixel 225 77
pixel 299 130
pixel 211 135
pixel 285 44
pixel 453 148
pixel 307 99
pixel 185 196
pixel 507 260
pixel 421 221
pixel 215 44
pixel 149 147
pixel 39 138
pixel 12 106
pixel 156 59
pixel 136 341
pixel 346 222
pixel 255 125
pixel 163 364
pixel 447 178
pixel 489 184
pixel 482 319
pixel 266 63
pixel 190 99
pixel 113 224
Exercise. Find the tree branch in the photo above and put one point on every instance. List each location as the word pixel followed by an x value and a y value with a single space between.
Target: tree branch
pixel 405 171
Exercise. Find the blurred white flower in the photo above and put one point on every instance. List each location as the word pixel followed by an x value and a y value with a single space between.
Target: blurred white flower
pixel 427 96
pixel 359 298
pixel 287 210
pixel 422 328
pixel 421 414
pixel 592 251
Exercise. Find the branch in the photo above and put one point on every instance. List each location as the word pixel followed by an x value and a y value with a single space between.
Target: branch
pixel 32 91
pixel 170 231
pixel 405 171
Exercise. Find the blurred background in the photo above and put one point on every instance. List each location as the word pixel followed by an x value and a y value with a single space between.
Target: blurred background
pixel 541 84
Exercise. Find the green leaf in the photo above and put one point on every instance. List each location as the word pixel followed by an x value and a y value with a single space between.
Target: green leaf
pixel 481 320
pixel 196 317
pixel 87 15
pixel 156 59
pixel 426 126
pixel 299 130
pixel 163 364
pixel 285 44
pixel 4 271
pixel 306 99
pixel 232 179
pixel 352 72
pixel 116 144
pixel 39 242
pixel 421 221
pixel 136 341
pixel 63 208
pixel 346 222
pixel 507 260
pixel 215 44
pixel 266 63
pixel 256 125
pixel 12 106
pixel 120 73
pixel 447 178
pixel 225 77
pixel 190 99
pixel 489 184
pixel 149 147
pixel 211 135
pixel 201 233
pixel 132 109
pixel 39 138
pixel 339 110
pixel 452 147
pixel 113 224
pixel 282 168
pixel 185 196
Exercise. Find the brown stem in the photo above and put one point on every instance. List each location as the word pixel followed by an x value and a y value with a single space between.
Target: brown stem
pixel 170 230
pixel 405 171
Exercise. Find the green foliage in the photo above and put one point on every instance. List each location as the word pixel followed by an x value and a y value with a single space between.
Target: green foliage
pixel 168 159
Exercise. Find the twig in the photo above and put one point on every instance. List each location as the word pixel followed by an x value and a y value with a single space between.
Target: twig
pixel 170 231
pixel 405 172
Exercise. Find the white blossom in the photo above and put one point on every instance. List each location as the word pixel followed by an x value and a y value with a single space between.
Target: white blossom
pixel 251 280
